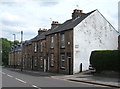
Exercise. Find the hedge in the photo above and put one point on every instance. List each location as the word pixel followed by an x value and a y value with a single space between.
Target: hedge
pixel 105 60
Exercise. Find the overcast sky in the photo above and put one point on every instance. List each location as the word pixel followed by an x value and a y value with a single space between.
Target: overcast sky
pixel 30 15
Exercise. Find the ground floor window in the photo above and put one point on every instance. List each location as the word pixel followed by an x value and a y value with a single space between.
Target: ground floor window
pixel 62 59
pixel 35 61
pixel 31 63
pixel 41 62
pixel 52 60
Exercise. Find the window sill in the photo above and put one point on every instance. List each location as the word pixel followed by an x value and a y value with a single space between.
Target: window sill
pixel 51 66
pixel 62 47
pixel 62 68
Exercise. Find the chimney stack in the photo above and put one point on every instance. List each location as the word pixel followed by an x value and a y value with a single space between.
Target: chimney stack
pixel 40 31
pixel 77 13
pixel 54 24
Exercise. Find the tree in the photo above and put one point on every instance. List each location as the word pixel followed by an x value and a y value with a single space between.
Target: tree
pixel 6 47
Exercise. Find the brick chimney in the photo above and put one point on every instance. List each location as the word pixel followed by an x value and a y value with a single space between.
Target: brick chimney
pixel 77 13
pixel 54 24
pixel 40 31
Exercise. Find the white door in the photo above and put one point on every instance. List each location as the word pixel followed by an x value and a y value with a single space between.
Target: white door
pixel 48 64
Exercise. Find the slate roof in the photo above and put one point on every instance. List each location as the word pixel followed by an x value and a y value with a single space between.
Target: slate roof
pixel 27 42
pixel 16 47
pixel 39 37
pixel 69 24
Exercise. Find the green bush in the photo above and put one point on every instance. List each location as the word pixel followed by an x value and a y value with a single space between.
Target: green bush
pixel 105 60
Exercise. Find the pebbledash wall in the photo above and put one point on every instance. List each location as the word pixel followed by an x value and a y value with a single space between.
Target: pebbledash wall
pixel 93 33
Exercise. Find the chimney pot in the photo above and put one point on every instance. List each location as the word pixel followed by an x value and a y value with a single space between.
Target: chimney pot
pixel 54 24
pixel 77 13
pixel 40 31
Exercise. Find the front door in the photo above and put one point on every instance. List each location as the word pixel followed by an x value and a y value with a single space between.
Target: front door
pixel 48 66
pixel 80 67
pixel 69 66
pixel 32 63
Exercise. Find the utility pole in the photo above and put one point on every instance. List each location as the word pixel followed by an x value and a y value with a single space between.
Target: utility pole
pixel 21 50
pixel 14 50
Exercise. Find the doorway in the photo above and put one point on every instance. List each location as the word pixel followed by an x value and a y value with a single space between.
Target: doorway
pixel 32 63
pixel 69 66
pixel 48 64
pixel 80 67
pixel 44 65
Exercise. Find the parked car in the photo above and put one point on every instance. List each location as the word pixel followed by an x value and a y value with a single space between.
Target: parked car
pixel 92 69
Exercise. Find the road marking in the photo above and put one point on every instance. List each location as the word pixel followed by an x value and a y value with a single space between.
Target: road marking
pixel 9 76
pixel 3 73
pixel 20 80
pixel 34 86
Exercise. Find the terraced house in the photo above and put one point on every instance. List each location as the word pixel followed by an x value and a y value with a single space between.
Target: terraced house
pixel 15 56
pixel 66 47
pixel 39 50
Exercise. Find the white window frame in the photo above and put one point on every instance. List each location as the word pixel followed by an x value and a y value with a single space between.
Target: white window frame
pixel 35 47
pixel 35 64
pixel 62 40
pixel 52 42
pixel 62 60
pixel 41 58
pixel 41 47
pixel 52 60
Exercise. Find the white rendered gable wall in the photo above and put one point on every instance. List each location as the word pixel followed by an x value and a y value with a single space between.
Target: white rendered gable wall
pixel 93 33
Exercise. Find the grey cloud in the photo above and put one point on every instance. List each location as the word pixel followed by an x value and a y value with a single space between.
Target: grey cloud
pixel 49 3
pixel 11 23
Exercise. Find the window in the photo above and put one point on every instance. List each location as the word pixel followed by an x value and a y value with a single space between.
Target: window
pixel 52 42
pixel 41 58
pixel 62 61
pixel 41 47
pixel 35 47
pixel 52 60
pixel 62 43
pixel 35 61
pixel 31 63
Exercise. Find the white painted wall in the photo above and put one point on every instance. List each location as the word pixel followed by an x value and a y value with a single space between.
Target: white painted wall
pixel 93 33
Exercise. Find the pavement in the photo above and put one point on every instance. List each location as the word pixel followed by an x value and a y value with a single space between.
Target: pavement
pixel 87 77
pixel 84 77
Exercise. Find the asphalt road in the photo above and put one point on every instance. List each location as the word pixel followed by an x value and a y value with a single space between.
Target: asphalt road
pixel 13 78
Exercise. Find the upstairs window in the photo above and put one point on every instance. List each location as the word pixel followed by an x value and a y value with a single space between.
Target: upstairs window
pixel 52 60
pixel 62 41
pixel 35 47
pixel 52 42
pixel 41 47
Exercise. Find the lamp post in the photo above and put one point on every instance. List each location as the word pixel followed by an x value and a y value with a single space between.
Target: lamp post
pixel 21 51
pixel 14 49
